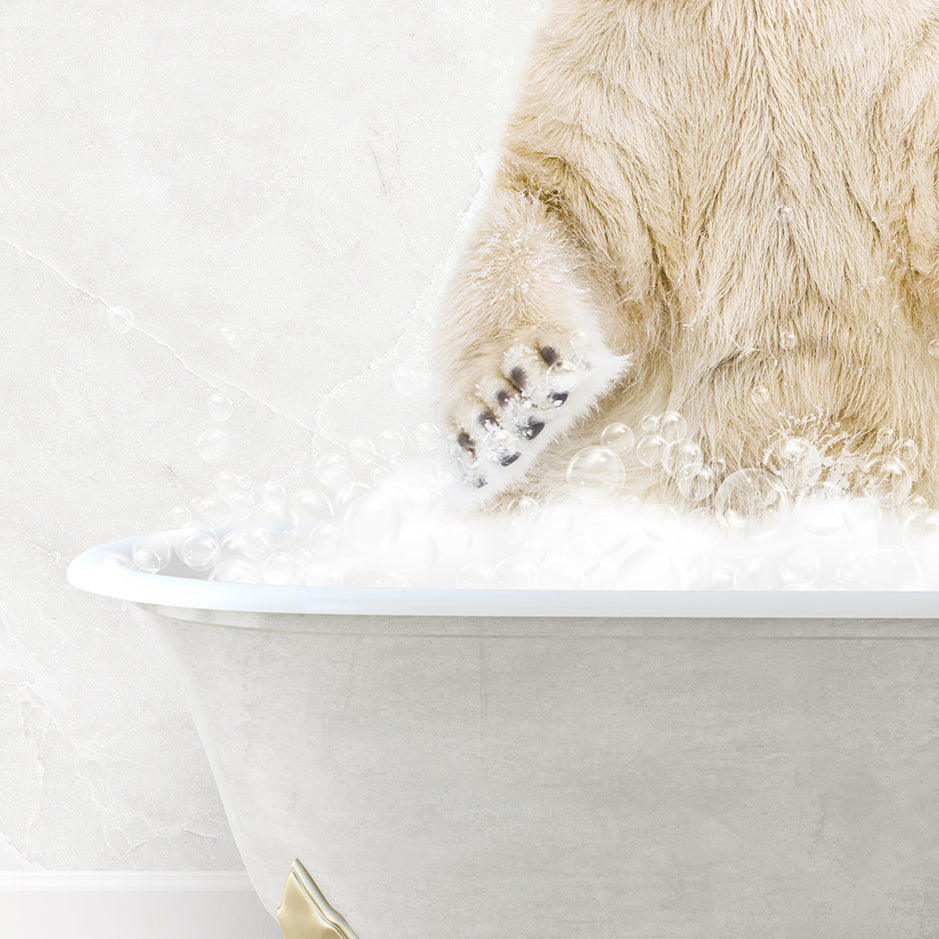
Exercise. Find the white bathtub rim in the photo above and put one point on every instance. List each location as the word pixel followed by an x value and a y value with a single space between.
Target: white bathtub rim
pixel 92 572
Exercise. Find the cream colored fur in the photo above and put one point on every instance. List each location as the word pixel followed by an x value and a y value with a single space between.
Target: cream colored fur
pixel 713 197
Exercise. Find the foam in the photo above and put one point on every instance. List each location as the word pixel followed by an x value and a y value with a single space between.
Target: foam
pixel 402 533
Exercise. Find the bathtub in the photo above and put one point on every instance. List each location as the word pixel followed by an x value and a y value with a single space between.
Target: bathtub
pixel 455 764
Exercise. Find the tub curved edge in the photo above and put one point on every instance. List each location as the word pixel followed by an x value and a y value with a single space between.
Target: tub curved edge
pixel 98 570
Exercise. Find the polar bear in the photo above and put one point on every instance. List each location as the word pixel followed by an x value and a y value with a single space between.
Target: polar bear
pixel 726 210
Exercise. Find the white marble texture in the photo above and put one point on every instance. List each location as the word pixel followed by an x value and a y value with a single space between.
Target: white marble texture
pixel 293 172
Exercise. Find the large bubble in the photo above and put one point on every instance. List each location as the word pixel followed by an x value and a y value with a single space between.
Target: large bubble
pixel 751 501
pixel 796 462
pixel 595 474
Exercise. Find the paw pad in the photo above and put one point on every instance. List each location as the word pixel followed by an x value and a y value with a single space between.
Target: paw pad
pixel 516 409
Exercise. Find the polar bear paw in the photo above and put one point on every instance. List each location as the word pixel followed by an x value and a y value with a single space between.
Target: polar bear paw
pixel 536 391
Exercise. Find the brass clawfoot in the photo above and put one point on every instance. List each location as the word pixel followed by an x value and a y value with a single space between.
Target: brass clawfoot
pixel 304 912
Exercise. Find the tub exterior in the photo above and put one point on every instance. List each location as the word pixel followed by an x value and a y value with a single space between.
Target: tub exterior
pixel 448 777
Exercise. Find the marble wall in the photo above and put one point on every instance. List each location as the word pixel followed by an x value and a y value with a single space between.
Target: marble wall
pixel 196 197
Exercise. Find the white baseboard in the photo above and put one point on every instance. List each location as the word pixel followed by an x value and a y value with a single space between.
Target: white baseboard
pixel 132 905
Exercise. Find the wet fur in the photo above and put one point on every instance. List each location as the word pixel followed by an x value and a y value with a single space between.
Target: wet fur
pixel 694 184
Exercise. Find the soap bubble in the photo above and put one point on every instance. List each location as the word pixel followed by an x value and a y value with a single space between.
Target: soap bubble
pixel 618 437
pixel 151 553
pixel 333 471
pixel 595 474
pixel 362 451
pixel 908 451
pixel 521 506
pixel 310 505
pixel 922 526
pixel 650 450
pixel 649 424
pixel 241 505
pixel 894 568
pixel 274 515
pixel 280 568
pixel 682 457
pixel 116 559
pixel 230 546
pixel 886 439
pixel 324 539
pixel 296 542
pixel 795 461
pixel 933 348
pixel 378 475
pixel 519 573
pixel 199 549
pixel 760 395
pixel 253 542
pixel 213 445
pixel 861 514
pixel 180 516
pixel 578 339
pixel 788 339
pixel 404 381
pixel 214 511
pixel 219 407
pixel 372 521
pixel 887 479
pixel 750 501
pixel 696 483
pixel 120 320
pixel 226 483
pixel 426 436
pixel 852 571
pixel 756 574
pixel 719 575
pixel 671 426
pixel 236 571
pixel 349 493
pixel 271 491
pixel 799 567
pixel 390 443
pixel 915 507
pixel 476 576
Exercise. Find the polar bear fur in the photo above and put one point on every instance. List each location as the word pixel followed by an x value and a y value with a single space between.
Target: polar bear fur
pixel 724 208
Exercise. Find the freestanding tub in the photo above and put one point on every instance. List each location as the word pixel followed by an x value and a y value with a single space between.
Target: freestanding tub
pixel 547 764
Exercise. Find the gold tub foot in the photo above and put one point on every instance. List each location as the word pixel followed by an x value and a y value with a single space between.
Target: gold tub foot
pixel 304 913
